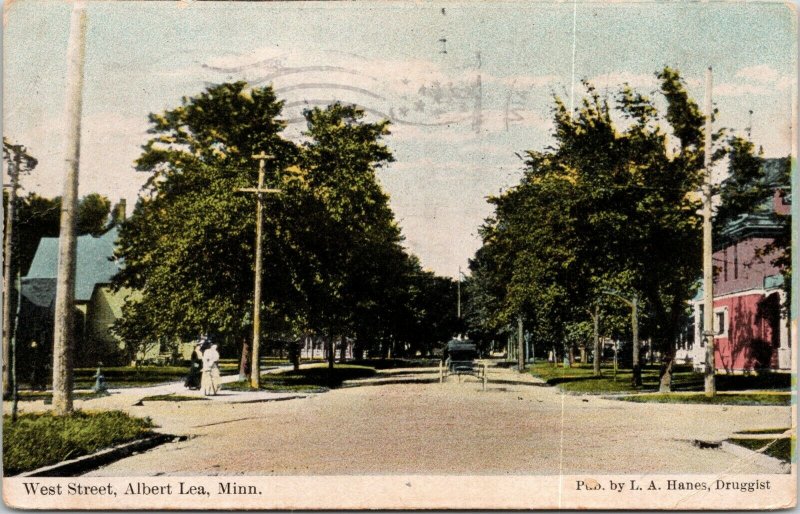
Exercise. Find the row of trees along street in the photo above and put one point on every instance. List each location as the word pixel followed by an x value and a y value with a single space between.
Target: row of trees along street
pixel 333 262
pixel 610 209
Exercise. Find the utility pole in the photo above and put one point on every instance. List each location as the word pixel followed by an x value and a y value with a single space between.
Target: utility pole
pixel 708 269
pixel 64 332
pixel 255 368
pixel 596 323
pixel 9 261
pixel 458 309
pixel 637 368
pixel 520 346
pixel 633 303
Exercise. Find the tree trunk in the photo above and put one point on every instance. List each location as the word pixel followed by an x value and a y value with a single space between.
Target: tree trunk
pixel 9 260
pixel 331 351
pixel 597 351
pixel 244 362
pixel 520 346
pixel 343 352
pixel 665 386
pixel 295 348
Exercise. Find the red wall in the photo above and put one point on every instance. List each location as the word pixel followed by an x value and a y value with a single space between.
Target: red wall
pixel 752 339
pixel 745 269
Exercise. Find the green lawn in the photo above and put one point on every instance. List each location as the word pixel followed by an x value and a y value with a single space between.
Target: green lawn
pixel 398 363
pixel 32 396
pixel 307 380
pixel 720 399
pixel 143 376
pixel 778 448
pixel 579 378
pixel 37 440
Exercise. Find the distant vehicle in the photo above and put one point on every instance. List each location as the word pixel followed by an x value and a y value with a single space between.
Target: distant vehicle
pixel 460 356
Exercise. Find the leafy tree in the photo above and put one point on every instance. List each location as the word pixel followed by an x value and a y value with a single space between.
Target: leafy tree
pixel 333 261
pixel 608 208
pixel 188 246
pixel 18 162
pixel 749 189
pixel 352 238
pixel 93 211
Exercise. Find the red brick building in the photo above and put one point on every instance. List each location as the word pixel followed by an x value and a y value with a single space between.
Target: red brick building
pixel 749 320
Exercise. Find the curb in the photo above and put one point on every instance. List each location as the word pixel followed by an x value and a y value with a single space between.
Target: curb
pixel 771 463
pixel 85 463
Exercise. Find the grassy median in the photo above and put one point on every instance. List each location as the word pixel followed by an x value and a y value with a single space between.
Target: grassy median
pixel 778 448
pixel 314 379
pixel 579 378
pixel 719 399
pixel 37 440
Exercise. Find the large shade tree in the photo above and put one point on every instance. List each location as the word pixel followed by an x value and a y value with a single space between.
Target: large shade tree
pixel 188 247
pixel 608 208
pixel 334 266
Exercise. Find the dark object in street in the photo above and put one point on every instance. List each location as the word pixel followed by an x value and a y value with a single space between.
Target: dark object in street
pixel 99 382
pixel 460 356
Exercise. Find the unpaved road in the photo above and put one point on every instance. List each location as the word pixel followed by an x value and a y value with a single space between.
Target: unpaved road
pixel 454 428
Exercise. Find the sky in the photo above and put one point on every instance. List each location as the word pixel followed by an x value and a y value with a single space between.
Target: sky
pixel 466 86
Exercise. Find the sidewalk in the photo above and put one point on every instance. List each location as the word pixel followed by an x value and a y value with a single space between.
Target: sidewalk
pixel 123 397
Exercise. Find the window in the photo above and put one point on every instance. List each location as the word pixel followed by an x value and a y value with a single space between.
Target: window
pixel 702 327
pixel 725 265
pixel 721 322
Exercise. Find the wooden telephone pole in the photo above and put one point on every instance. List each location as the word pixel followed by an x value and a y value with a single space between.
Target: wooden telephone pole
pixel 260 191
pixel 64 332
pixel 9 272
pixel 708 268
pixel 520 345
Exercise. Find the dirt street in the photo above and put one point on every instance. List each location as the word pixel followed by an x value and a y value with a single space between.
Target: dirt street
pixel 451 428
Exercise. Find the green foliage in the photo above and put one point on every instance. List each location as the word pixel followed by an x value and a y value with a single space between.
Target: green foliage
pixel 37 440
pixel 398 363
pixel 579 378
pixel 333 261
pixel 93 211
pixel 188 246
pixel 608 207
pixel 782 448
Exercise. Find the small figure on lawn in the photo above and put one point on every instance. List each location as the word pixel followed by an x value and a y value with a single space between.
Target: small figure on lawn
pixel 210 381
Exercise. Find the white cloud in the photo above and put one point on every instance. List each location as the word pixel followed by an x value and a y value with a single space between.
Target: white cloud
pixel 762 73
pixel 742 89
pixel 615 80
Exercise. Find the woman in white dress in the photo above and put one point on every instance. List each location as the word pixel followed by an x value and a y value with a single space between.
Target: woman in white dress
pixel 210 382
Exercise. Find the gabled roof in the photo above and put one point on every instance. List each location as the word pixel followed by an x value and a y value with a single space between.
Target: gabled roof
pixel 762 221
pixel 95 262
pixel 39 291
